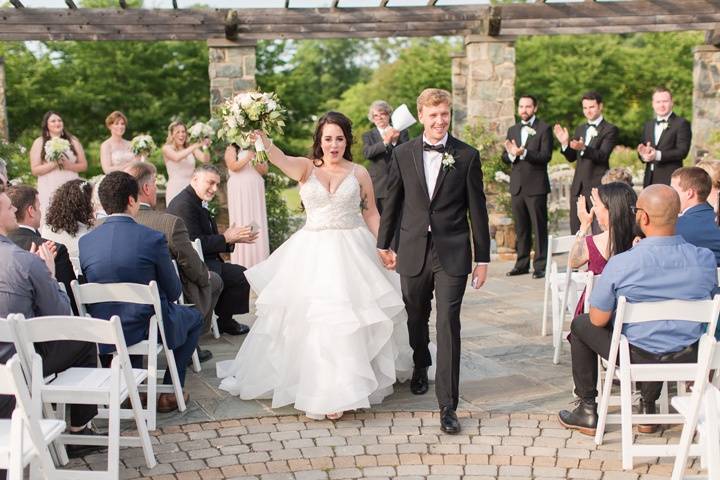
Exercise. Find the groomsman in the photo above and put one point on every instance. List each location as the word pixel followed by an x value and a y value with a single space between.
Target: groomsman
pixel 591 146
pixel 378 145
pixel 528 147
pixel 665 140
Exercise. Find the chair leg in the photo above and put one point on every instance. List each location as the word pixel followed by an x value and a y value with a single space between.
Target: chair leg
pixel 113 454
pixel 712 437
pixel 216 330
pixel 626 413
pixel 172 366
pixel 556 330
pixel 152 380
pixel 664 399
pixel 604 405
pixel 196 362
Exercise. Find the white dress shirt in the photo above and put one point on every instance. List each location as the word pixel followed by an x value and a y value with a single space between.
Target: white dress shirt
pixel 432 161
pixel 524 135
pixel 659 129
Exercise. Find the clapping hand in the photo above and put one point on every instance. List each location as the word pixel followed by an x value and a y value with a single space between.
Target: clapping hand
pixel 46 251
pixel 647 152
pixel 584 216
pixel 391 135
pixel 512 148
pixel 561 133
pixel 388 258
pixel 578 145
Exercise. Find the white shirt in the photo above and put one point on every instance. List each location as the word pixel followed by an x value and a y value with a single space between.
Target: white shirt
pixel 659 129
pixel 432 162
pixel 524 134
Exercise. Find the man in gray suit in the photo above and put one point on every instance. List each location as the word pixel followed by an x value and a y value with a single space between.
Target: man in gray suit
pixel 201 287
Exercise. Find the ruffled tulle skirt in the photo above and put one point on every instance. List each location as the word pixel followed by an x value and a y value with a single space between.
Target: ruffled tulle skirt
pixel 331 329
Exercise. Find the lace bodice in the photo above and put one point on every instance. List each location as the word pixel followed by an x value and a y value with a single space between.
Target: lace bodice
pixel 332 210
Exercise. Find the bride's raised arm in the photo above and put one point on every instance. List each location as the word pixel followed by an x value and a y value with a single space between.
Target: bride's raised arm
pixel 297 168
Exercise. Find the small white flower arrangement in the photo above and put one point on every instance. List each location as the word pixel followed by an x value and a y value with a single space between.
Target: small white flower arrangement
pixel 502 177
pixel 530 131
pixel 591 133
pixel 143 146
pixel 55 149
pixel 448 161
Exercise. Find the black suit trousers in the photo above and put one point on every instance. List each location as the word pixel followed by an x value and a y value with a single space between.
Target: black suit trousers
pixel 449 291
pixel 235 296
pixel 531 215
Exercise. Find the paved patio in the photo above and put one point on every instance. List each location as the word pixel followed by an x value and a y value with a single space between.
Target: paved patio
pixel 510 392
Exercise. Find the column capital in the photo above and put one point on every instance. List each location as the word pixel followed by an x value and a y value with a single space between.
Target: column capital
pixel 225 43
pixel 509 39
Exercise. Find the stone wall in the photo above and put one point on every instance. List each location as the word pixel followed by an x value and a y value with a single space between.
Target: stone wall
pixel 706 99
pixel 3 109
pixel 231 68
pixel 483 81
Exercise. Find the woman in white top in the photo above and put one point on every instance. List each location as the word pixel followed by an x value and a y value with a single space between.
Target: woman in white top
pixel 70 215
pixel 51 174
pixel 115 152
pixel 180 159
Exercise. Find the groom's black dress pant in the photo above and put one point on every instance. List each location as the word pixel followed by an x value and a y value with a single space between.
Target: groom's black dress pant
pixel 417 294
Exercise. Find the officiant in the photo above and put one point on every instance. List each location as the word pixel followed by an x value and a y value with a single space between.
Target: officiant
pixel 379 143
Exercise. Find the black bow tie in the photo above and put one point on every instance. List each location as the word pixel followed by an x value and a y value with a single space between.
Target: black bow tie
pixel 658 122
pixel 525 124
pixel 588 125
pixel 437 148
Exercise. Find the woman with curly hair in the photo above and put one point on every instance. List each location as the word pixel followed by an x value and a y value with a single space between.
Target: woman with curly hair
pixel 70 215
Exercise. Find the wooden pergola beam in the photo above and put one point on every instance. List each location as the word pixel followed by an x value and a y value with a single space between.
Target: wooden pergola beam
pixel 17 4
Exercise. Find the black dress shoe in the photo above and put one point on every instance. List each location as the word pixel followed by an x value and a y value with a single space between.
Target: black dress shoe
pixel 233 328
pixel 75 451
pixel 517 271
pixel 448 421
pixel 203 356
pixel 419 382
pixel 539 274
pixel 648 407
pixel 583 418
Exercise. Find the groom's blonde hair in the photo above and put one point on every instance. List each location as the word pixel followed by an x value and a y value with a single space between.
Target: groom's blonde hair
pixel 431 97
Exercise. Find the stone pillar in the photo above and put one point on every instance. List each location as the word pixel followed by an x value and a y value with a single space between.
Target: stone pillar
pixel 488 74
pixel 231 68
pixel 706 100
pixel 459 93
pixel 3 110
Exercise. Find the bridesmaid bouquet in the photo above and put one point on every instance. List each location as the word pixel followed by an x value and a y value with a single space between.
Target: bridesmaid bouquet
pixel 142 146
pixel 199 132
pixel 55 149
pixel 246 112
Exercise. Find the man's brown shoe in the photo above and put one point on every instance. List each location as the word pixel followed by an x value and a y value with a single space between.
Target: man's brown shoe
pixel 648 408
pixel 168 403
pixel 143 401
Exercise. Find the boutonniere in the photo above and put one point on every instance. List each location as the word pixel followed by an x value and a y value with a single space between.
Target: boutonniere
pixel 448 161
pixel 530 131
pixel 591 132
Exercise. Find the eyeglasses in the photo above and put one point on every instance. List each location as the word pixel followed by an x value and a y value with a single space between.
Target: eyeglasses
pixel 635 209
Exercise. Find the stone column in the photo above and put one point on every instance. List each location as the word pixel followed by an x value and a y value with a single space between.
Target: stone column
pixel 487 72
pixel 231 68
pixel 3 109
pixel 706 100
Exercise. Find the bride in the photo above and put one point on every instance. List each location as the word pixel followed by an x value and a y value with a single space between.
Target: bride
pixel 331 332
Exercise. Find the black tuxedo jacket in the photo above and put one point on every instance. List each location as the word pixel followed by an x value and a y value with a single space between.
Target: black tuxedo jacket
pixel 595 161
pixel 200 224
pixel 458 190
pixel 64 272
pixel 379 156
pixel 674 145
pixel 529 175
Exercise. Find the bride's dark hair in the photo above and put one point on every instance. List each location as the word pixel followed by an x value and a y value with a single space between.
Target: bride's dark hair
pixel 331 118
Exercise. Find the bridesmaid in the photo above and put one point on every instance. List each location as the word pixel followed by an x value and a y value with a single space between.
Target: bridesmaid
pixel 246 204
pixel 49 174
pixel 180 159
pixel 115 152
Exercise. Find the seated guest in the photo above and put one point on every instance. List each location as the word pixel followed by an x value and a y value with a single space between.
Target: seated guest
pixel 617 174
pixel 70 214
pixel 662 266
pixel 712 167
pixel 27 286
pixel 190 205
pixel 121 250
pixel 611 209
pixel 200 287
pixel 27 203
pixel 696 223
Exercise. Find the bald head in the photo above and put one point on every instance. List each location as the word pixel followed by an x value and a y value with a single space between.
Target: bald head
pixel 661 205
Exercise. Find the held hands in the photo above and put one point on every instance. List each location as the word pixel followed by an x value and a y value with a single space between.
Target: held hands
pixel 561 133
pixel 46 251
pixel 479 276
pixel 388 258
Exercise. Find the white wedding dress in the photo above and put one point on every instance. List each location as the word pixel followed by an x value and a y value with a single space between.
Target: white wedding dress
pixel 331 329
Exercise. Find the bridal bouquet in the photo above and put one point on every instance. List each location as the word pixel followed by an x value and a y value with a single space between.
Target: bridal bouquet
pixel 200 131
pixel 247 112
pixel 142 146
pixel 55 149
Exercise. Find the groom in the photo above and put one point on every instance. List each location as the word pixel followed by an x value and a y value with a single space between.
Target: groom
pixel 434 181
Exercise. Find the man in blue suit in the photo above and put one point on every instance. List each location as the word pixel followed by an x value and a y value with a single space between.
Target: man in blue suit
pixel 121 250
pixel 696 223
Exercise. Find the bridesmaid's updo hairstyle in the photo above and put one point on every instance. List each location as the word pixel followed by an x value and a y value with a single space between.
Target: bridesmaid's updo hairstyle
pixel 331 118
pixel 46 133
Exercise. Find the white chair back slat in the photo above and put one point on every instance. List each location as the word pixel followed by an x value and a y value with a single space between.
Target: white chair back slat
pixel 686 310
pixel 560 245
pixel 75 261
pixel 84 329
pixel 197 245
pixel 119 292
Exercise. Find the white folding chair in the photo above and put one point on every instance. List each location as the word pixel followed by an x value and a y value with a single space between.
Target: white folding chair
pixel 26 437
pixel 181 301
pixel 90 293
pixel 76 265
pixel 698 311
pixel 88 386
pixel 701 411
pixel 197 245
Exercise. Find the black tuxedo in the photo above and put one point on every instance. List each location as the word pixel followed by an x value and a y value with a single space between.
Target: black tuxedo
pixel 439 260
pixel 673 145
pixel 379 154
pixel 529 186
pixel 591 165
pixel 235 295
pixel 64 272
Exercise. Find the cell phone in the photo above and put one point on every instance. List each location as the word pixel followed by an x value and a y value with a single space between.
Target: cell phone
pixel 254 227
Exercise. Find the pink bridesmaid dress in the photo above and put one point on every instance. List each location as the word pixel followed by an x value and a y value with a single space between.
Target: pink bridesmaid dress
pixel 51 181
pixel 179 175
pixel 246 204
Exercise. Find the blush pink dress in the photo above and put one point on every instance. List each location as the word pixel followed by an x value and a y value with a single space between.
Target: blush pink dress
pixel 179 175
pixel 246 204
pixel 51 181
